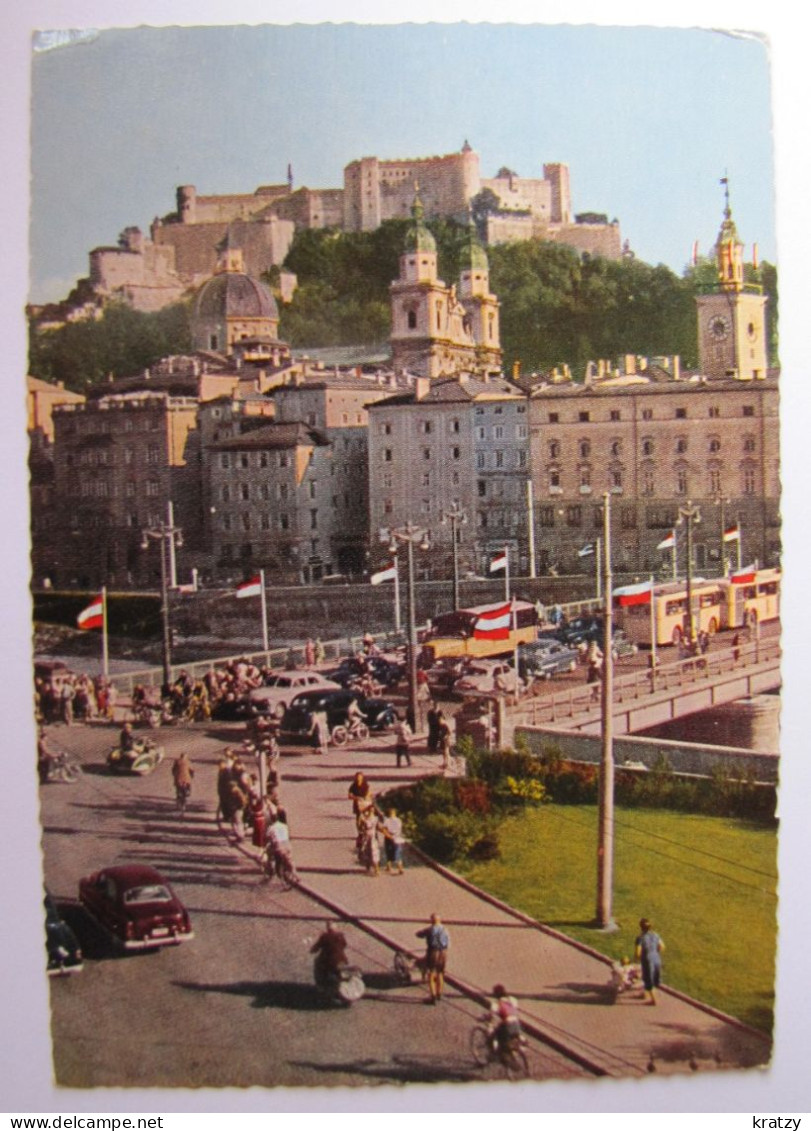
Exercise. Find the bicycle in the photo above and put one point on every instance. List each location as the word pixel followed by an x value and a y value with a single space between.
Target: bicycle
pixel 357 730
pixel 510 1056
pixel 63 768
pixel 279 865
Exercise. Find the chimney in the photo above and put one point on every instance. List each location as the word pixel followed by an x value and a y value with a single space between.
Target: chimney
pixel 421 387
pixel 630 364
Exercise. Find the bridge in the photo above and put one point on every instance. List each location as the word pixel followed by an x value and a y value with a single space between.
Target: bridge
pixel 643 698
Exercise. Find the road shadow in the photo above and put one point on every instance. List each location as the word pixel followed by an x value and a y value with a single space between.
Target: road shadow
pixel 411 1069
pixel 298 997
pixel 721 1047
pixel 576 993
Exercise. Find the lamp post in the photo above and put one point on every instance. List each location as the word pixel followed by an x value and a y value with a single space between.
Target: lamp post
pixel 605 835
pixel 411 536
pixel 170 538
pixel 690 514
pixel 457 517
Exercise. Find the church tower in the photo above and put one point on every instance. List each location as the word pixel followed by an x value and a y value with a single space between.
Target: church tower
pixel 435 330
pixel 732 316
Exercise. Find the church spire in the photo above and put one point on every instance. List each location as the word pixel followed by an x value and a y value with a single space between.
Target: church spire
pixel 729 249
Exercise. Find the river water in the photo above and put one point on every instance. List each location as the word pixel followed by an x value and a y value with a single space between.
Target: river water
pixel 749 724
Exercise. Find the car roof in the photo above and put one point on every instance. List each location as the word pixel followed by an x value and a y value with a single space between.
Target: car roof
pixel 131 875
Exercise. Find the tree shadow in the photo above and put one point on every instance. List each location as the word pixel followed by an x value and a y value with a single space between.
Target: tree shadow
pixel 298 997
pixel 405 1069
pixel 724 1046
pixel 576 993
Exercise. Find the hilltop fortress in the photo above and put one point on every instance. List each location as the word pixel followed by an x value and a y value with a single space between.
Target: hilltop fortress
pixel 183 247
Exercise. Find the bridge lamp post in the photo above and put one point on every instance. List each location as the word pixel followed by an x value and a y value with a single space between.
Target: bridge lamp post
pixel 721 501
pixel 457 517
pixel 412 536
pixel 690 515
pixel 605 836
pixel 170 538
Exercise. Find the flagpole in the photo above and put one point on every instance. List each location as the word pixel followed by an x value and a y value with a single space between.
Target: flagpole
pixel 652 634
pixel 598 566
pixel 739 551
pixel 265 644
pixel 675 557
pixel 507 573
pixel 105 661
pixel 397 621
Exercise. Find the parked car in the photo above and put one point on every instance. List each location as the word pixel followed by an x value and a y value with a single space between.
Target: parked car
pixel 543 659
pixel 136 906
pixel 580 630
pixel 62 946
pixel 383 670
pixel 445 672
pixel 379 714
pixel 282 687
pixel 488 677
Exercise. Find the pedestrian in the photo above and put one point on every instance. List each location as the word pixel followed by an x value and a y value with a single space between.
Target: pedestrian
pixel 234 810
pixel 445 740
pixel 736 647
pixel 649 948
pixel 369 845
pixel 437 942
pixel 402 739
pixel 432 718
pixel 319 732
pixel 280 848
pixel 394 840
pixel 309 653
pixel 319 651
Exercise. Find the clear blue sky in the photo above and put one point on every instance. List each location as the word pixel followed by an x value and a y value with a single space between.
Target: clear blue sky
pixel 648 119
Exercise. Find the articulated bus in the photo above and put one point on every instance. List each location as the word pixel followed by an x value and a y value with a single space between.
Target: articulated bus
pixel 452 634
pixel 741 601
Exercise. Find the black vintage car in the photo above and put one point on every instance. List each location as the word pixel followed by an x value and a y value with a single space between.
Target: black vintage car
pixel 384 671
pixel 379 714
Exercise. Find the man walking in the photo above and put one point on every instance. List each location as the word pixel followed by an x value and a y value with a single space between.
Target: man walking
pixel 437 942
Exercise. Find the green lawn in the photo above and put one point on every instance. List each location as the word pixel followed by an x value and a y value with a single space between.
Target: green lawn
pixel 707 883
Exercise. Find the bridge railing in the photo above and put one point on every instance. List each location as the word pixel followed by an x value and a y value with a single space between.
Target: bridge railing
pixel 667 679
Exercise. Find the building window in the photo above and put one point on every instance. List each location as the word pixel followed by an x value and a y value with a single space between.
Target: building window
pixel 456 453
pixel 264 459
pixel 426 506
pixel 748 480
pixel 388 506
pixel 480 461
pixel 244 492
pixel 574 516
pixel 243 461
pixel 454 426
pixel 264 522
pixel 714 444
pixel 681 481
pixel 283 492
pixel 648 447
pixel 616 448
pixel 426 479
pixel 498 431
pixel 246 522
pixel 554 449
pixel 681 413
pixel 313 488
pixel 284 521
pixel 387 455
pixel 648 487
pixel 583 417
pixel 554 417
pixel 499 459
pixel 585 477
pixel 226 522
pixel 425 427
pixel 129 489
pixel 584 448
pixel 715 481
pixel 412 319
pixel 481 432
pixel 385 429
pixel 748 410
pixel 714 412
pixel 153 487
pixel 388 479
pixel 152 454
pixel 284 459
pixel 681 445
pixel 554 480
pixel 314 519
pixel 749 443
pixel 522 459
pixel 520 431
pixel 614 414
pixel 546 516
pixel 628 518
pixel 616 479
pixel 647 414
pixel 426 453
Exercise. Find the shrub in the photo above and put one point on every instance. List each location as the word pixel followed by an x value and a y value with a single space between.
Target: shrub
pixel 452 836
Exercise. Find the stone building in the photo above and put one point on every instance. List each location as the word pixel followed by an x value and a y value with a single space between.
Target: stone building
pixel 438 330
pixel 451 443
pixel 118 461
pixel 654 440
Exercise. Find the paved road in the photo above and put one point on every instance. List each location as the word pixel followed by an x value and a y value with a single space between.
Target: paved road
pixel 236 1005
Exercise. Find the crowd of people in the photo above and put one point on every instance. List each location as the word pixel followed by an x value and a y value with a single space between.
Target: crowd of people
pixel 67 697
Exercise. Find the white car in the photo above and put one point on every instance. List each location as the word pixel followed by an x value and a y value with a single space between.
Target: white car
pixel 282 688
pixel 488 677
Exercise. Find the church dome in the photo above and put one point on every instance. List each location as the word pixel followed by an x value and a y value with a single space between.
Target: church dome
pixel 473 257
pixel 235 295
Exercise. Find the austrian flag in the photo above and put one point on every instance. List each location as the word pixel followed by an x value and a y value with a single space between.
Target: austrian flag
pixel 387 574
pixel 93 615
pixel 732 533
pixel 499 563
pixel 669 542
pixel 633 594
pixel 252 588
pixel 494 624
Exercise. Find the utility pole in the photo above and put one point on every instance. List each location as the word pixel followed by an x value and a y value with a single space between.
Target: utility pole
pixel 605 835
pixel 412 535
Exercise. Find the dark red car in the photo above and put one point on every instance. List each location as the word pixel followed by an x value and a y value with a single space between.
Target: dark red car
pixel 136 906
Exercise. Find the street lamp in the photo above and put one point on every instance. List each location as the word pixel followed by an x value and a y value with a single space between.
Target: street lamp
pixel 605 835
pixel 690 514
pixel 412 536
pixel 170 538
pixel 456 516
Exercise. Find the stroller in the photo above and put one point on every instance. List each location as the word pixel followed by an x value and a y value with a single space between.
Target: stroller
pixel 626 976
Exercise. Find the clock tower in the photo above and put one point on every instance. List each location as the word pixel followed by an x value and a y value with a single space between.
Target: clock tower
pixel 732 316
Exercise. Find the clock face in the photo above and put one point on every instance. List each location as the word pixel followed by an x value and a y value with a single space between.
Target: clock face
pixel 718 327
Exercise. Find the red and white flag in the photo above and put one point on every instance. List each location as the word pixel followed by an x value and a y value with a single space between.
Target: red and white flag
pixel 499 563
pixel 495 623
pixel 387 574
pixel 669 542
pixel 633 594
pixel 744 576
pixel 732 533
pixel 252 588
pixel 93 615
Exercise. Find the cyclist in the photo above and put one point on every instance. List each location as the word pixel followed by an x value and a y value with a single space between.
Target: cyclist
pixel 504 1023
pixel 330 951
pixel 182 774
pixel 44 758
pixel 354 715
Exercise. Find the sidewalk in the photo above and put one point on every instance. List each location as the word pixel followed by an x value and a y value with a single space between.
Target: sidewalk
pixel 561 986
